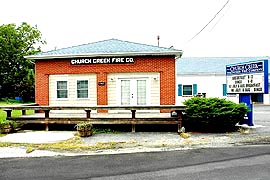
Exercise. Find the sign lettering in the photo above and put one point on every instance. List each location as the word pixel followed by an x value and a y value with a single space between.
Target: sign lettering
pixel 248 77
pixel 102 60
pixel 253 67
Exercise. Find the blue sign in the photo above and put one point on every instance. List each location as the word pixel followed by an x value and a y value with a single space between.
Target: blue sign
pixel 246 79
pixel 249 77
pixel 253 67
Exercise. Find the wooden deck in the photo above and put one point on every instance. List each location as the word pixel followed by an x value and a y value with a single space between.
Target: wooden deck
pixel 72 115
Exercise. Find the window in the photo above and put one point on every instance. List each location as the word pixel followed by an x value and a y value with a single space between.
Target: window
pixel 82 89
pixel 62 91
pixel 187 90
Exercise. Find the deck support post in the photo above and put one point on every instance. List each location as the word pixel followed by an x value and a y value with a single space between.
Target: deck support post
pixel 179 120
pixel 133 112
pixel 47 116
pixel 88 113
pixel 23 112
pixel 133 127
pixel 8 111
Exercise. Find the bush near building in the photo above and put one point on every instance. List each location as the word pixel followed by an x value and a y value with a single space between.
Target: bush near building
pixel 213 114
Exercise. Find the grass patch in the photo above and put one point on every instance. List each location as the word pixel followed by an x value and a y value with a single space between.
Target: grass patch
pixel 1 135
pixel 96 130
pixel 5 103
pixel 3 115
pixel 14 113
pixel 72 144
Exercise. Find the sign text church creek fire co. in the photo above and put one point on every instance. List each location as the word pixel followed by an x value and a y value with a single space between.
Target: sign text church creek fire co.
pixel 102 60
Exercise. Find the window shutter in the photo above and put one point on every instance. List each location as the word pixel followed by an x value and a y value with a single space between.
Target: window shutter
pixel 179 89
pixel 224 89
pixel 194 89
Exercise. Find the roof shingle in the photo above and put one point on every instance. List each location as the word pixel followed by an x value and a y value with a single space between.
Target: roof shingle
pixel 106 47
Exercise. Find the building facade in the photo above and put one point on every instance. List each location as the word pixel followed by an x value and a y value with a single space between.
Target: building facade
pixel 206 76
pixel 110 72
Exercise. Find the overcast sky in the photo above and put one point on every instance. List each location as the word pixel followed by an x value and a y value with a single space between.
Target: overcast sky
pixel 242 28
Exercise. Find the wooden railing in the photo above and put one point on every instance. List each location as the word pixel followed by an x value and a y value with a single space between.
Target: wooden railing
pixel 174 119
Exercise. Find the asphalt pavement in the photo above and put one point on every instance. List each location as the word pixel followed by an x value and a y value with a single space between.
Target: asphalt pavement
pixel 238 162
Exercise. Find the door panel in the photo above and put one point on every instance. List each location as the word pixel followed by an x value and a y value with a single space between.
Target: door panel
pixel 125 92
pixel 133 92
pixel 141 92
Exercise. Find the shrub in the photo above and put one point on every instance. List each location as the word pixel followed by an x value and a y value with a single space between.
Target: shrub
pixel 212 114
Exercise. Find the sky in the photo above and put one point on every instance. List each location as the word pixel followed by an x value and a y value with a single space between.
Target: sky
pixel 241 29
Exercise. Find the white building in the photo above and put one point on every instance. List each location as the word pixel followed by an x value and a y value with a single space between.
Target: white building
pixel 207 76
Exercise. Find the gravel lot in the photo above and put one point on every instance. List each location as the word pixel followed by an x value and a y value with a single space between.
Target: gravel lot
pixel 132 142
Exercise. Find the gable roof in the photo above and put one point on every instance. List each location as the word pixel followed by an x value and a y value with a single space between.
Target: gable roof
pixel 110 47
pixel 210 65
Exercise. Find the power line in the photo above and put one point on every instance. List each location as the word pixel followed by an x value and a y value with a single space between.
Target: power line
pixel 210 21
pixel 220 18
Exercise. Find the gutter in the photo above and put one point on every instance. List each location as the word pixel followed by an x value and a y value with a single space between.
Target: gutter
pixel 177 54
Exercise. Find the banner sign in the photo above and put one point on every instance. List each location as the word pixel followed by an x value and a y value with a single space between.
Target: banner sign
pixel 254 67
pixel 250 77
pixel 102 60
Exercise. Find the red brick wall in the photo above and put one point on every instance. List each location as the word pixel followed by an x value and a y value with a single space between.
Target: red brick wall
pixel 165 65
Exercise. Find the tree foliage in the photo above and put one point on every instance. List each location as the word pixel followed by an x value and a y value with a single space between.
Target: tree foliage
pixel 16 72
pixel 213 114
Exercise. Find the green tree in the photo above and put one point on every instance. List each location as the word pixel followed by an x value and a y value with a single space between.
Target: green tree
pixel 16 72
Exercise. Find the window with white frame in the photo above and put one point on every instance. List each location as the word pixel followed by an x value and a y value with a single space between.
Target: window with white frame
pixel 82 89
pixel 62 91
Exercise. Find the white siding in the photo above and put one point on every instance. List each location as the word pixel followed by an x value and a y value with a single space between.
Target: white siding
pixel 72 90
pixel 211 84
pixel 155 89
pixel 112 89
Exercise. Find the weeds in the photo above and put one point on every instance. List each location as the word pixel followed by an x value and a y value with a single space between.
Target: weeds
pixel 74 143
pixel 101 130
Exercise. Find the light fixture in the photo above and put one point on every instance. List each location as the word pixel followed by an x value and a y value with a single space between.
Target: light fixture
pixel 155 78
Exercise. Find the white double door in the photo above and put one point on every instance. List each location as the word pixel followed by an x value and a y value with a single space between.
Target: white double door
pixel 133 91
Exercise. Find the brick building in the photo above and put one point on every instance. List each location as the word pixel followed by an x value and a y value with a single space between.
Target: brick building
pixel 110 72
